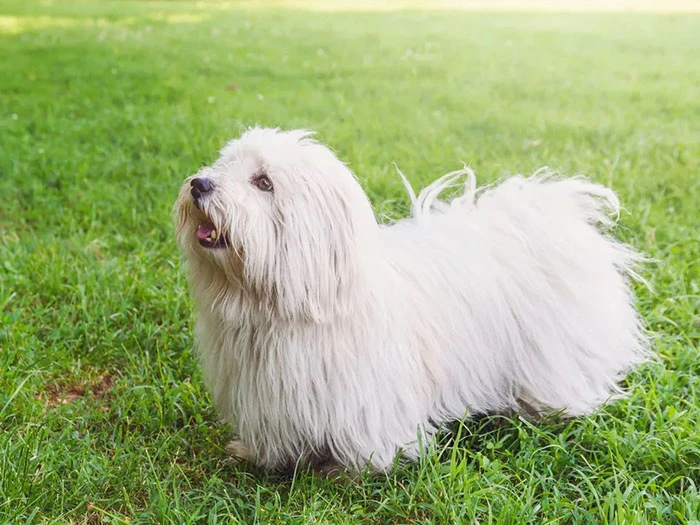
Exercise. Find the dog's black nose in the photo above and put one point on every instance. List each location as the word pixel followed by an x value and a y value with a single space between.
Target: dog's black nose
pixel 200 187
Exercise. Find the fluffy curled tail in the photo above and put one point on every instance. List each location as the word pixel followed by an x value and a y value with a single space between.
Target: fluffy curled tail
pixel 597 204
pixel 601 204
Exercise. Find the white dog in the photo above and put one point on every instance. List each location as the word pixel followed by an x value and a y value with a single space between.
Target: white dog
pixel 328 338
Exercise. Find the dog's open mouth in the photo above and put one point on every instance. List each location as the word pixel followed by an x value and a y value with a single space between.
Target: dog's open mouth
pixel 210 237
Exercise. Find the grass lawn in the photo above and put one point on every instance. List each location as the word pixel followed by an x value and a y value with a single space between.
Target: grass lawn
pixel 106 106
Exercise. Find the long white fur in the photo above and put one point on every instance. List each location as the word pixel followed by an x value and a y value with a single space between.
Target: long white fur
pixel 323 334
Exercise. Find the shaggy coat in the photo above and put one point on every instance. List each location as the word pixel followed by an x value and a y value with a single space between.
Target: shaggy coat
pixel 325 336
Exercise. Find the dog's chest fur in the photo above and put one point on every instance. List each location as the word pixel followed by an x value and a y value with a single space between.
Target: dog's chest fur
pixel 294 391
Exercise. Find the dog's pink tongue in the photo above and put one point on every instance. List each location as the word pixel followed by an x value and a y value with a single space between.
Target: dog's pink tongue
pixel 204 230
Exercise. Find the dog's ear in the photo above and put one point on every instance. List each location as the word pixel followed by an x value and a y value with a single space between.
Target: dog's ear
pixel 319 262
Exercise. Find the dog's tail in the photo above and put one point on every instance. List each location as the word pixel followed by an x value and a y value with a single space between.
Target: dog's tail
pixel 602 206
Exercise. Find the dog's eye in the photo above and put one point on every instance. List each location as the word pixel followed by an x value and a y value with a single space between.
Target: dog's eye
pixel 262 182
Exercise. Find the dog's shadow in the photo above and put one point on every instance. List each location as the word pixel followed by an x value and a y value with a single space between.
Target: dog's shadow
pixel 484 434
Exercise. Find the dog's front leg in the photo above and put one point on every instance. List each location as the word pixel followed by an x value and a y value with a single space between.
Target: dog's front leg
pixel 240 452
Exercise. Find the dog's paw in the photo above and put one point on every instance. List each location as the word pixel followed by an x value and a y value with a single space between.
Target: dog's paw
pixel 240 452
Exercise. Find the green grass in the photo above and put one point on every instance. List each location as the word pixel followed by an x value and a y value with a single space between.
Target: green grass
pixel 105 107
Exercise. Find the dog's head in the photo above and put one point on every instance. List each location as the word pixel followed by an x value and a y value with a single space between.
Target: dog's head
pixel 280 217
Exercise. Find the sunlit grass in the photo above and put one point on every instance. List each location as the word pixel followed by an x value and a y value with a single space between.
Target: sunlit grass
pixel 649 6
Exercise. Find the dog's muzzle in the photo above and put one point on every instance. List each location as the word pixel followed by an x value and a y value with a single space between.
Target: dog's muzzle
pixel 207 233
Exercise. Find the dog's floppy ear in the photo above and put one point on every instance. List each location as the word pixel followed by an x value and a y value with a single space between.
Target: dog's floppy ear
pixel 319 263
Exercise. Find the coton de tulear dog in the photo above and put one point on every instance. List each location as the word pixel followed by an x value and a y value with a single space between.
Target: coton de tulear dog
pixel 328 339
